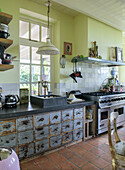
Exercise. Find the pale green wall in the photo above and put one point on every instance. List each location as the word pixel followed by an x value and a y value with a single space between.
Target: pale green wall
pixel 105 36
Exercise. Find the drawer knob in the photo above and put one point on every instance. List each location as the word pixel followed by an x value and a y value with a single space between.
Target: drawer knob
pixel 56 141
pixel 42 146
pixel 38 129
pixel 67 115
pixel 25 137
pixel 78 123
pixel 7 126
pixel 67 126
pixel 78 113
pixel 42 133
pixel 78 133
pixel 56 129
pixel 25 122
pixel 42 119
pixel 55 117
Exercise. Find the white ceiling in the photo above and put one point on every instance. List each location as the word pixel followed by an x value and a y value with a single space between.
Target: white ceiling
pixel 111 12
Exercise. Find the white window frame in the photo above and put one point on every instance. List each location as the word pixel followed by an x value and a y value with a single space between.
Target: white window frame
pixel 32 43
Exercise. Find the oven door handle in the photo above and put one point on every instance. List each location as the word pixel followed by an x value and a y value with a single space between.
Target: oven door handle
pixel 117 104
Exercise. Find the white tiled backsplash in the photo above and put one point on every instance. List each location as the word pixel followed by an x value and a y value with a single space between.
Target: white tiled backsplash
pixel 93 77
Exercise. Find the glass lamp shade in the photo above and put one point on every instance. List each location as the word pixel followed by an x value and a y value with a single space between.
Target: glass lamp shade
pixel 48 49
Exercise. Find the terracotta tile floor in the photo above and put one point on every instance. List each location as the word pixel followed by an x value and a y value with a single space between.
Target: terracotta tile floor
pixel 93 154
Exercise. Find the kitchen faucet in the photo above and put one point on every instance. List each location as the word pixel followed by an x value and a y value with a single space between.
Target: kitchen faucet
pixel 44 85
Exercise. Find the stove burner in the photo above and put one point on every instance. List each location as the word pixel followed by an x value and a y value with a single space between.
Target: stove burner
pixel 102 93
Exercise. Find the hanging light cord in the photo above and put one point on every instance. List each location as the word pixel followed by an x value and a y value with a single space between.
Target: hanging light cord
pixel 48 16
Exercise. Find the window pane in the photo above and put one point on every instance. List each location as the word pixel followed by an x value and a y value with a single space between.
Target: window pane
pixel 45 59
pixel 24 29
pixel 46 73
pixel 34 32
pixel 35 73
pixel 24 73
pixel 35 56
pixel 44 33
pixel 24 54
pixel 34 89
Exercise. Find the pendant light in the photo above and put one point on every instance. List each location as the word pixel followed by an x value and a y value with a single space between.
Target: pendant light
pixel 48 48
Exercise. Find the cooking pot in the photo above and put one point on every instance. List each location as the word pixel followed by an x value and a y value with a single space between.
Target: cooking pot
pixel 4 34
pixel 11 100
pixel 4 27
pixel 7 58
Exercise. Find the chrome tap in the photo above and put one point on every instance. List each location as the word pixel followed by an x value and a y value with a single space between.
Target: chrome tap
pixel 44 85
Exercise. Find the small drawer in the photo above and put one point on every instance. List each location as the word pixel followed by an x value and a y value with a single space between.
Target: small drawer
pixel 67 137
pixel 77 134
pixel 67 115
pixel 8 140
pixel 25 150
pixel 78 123
pixel 7 127
pixel 41 132
pixel 55 141
pixel 55 117
pixel 25 137
pixel 67 126
pixel 24 123
pixel 42 145
pixel 78 113
pixel 41 120
pixel 55 129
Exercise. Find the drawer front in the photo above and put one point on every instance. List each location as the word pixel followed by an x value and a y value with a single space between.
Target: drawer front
pixel 24 123
pixel 41 120
pixel 41 132
pixel 8 140
pixel 55 129
pixel 78 113
pixel 55 117
pixel 7 127
pixel 78 123
pixel 67 115
pixel 25 150
pixel 67 126
pixel 55 141
pixel 25 137
pixel 77 134
pixel 42 145
pixel 67 137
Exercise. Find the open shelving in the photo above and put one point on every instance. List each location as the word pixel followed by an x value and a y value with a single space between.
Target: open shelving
pixel 5 19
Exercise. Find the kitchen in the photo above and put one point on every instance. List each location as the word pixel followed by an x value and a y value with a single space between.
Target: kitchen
pixel 76 28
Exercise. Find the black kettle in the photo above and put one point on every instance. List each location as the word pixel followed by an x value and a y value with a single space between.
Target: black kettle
pixel 11 100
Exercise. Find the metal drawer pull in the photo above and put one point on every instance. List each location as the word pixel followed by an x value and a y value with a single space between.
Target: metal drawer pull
pixel 7 126
pixel 67 115
pixel 25 137
pixel 55 117
pixel 67 126
pixel 42 119
pixel 42 133
pixel 25 122
pixel 102 125
pixel 56 141
pixel 67 137
pixel 42 146
pixel 40 129
pixel 7 141
pixel 78 113
pixel 56 129
pixel 78 123
pixel 78 133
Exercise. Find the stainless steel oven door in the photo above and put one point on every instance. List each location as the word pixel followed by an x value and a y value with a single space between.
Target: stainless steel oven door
pixel 103 115
pixel 121 110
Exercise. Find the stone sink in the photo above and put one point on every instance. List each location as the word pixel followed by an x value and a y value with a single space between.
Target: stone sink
pixel 46 101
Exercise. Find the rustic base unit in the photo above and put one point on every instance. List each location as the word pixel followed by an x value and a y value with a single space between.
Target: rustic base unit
pixel 30 135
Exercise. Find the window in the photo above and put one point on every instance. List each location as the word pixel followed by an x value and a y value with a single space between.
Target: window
pixel 33 67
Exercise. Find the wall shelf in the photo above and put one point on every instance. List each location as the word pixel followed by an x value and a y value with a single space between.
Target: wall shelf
pixel 5 18
pixel 5 42
pixel 98 61
pixel 4 67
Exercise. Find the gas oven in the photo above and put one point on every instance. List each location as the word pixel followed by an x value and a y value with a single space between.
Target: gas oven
pixel 107 102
